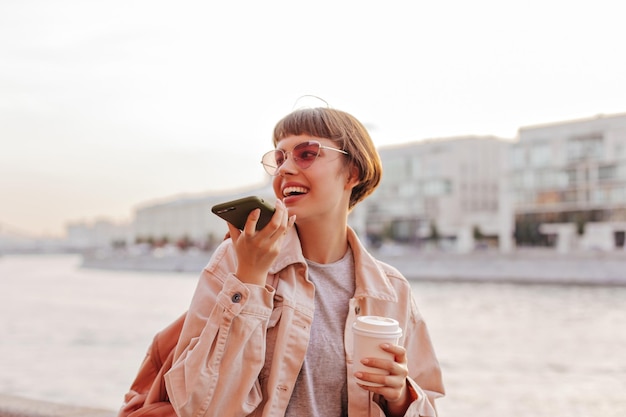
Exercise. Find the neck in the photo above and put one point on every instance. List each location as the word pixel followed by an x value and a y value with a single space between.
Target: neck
pixel 324 243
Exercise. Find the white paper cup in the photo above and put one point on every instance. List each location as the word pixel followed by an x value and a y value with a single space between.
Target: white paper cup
pixel 369 333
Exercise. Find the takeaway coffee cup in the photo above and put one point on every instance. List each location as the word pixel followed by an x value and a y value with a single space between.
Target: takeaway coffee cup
pixel 369 333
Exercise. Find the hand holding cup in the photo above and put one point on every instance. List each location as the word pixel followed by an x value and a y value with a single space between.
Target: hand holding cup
pixel 370 332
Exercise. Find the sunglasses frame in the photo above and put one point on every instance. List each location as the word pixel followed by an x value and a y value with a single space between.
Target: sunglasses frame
pixel 274 168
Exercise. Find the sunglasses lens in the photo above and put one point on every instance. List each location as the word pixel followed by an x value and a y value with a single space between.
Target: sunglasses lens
pixel 305 153
pixel 272 160
pixel 278 158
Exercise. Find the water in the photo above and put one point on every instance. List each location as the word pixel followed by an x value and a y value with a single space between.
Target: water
pixel 77 336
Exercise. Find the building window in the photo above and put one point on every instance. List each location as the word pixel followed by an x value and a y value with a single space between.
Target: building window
pixel 528 180
pixel 524 198
pixel 416 167
pixel 545 179
pixel 570 196
pixel 607 172
pixel 437 187
pixel 517 180
pixel 618 195
pixel 553 179
pixel 407 189
pixel 572 176
pixel 540 155
pixel 585 147
pixel 600 196
pixel 518 156
pixel 395 170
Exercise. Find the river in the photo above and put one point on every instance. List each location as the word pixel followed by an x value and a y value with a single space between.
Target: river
pixel 77 336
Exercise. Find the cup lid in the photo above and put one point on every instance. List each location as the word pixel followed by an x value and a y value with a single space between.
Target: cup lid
pixel 377 324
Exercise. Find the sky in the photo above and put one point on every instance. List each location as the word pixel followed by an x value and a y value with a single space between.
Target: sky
pixel 106 106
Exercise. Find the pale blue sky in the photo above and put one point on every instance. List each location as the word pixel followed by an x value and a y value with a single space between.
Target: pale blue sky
pixel 105 105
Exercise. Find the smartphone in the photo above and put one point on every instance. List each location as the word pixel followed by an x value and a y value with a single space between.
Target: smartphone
pixel 236 212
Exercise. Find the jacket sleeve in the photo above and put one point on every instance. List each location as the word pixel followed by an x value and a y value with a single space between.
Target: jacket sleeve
pixel 425 379
pixel 221 350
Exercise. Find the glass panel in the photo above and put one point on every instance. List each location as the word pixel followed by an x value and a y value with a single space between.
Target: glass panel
pixel 607 172
pixel 585 147
pixel 540 155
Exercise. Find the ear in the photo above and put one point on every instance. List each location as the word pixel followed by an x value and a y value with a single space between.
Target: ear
pixel 353 177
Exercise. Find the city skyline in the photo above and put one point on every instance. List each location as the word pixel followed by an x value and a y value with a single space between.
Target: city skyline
pixel 108 106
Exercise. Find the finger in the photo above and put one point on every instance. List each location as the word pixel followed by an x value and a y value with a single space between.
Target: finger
pixel 392 368
pixel 399 352
pixel 281 213
pixel 391 394
pixel 378 363
pixel 373 378
pixel 389 387
pixel 233 232
pixel 280 219
pixel 292 221
pixel 251 221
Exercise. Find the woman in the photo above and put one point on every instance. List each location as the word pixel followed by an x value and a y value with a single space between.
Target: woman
pixel 268 329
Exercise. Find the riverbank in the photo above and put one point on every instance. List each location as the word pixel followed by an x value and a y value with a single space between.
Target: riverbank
pixel 522 266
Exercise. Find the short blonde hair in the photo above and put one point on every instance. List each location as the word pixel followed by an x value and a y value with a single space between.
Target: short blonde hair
pixel 349 134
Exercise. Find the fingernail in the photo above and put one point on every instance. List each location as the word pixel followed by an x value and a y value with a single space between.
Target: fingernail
pixel 385 345
pixel 359 375
pixel 365 361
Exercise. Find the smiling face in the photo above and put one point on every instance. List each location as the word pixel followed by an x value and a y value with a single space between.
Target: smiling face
pixel 320 192
pixel 336 128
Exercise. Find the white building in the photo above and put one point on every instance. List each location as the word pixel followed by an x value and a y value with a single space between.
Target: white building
pixel 571 173
pixel 448 187
pixel 188 218
pixel 99 234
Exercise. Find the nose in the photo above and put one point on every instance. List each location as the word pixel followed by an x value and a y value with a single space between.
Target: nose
pixel 288 165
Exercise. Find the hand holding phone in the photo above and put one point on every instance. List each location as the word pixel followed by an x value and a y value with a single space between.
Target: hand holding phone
pixel 236 212
pixel 255 251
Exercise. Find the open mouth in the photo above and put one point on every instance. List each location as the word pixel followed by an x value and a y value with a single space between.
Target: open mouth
pixel 293 191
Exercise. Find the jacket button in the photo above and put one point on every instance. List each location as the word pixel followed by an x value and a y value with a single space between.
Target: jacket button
pixel 236 298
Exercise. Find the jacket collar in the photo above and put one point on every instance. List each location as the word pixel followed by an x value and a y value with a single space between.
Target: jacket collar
pixel 372 280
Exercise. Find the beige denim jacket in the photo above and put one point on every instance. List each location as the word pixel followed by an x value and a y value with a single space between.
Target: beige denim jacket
pixel 242 346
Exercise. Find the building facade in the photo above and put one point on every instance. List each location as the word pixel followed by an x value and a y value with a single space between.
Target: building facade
pixel 188 219
pixel 98 234
pixel 441 189
pixel 570 176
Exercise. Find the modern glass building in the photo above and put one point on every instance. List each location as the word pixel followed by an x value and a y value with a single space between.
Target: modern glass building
pixel 436 190
pixel 571 173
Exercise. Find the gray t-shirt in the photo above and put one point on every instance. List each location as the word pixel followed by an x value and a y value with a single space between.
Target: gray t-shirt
pixel 321 388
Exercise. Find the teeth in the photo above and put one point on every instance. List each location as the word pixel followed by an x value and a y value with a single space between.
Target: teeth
pixel 287 191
